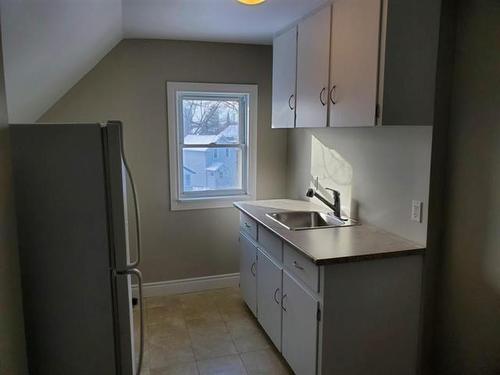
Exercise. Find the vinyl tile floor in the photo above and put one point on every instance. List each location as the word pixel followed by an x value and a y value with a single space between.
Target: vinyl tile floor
pixel 205 333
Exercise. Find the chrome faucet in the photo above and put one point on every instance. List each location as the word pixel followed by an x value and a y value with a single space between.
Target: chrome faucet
pixel 336 200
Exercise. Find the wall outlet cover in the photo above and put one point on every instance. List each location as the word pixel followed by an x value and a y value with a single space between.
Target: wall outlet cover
pixel 416 211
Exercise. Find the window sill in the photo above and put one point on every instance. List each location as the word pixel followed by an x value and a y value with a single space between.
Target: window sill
pixel 207 203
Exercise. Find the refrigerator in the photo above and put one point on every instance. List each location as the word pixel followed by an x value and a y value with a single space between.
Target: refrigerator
pixel 76 269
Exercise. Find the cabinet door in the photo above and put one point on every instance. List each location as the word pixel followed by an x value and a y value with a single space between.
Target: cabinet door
pixel 269 297
pixel 284 79
pixel 313 64
pixel 354 62
pixel 248 273
pixel 300 327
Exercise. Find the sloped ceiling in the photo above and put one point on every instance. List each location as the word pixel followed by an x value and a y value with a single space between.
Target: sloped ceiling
pixel 51 44
pixel 211 20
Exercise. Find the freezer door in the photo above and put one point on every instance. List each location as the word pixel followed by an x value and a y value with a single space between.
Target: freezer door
pixel 67 273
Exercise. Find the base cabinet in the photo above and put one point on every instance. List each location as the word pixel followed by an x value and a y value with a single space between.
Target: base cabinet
pixel 269 292
pixel 300 327
pixel 349 318
pixel 248 272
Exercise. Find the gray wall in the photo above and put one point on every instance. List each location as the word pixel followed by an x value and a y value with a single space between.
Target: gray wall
pixel 468 324
pixel 129 85
pixel 378 171
pixel 12 347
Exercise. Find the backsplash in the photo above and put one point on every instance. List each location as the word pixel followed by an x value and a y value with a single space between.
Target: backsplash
pixel 378 171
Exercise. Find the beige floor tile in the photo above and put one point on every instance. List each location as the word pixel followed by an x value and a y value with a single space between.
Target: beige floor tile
pixel 251 341
pixel 167 351
pixel 206 327
pixel 264 362
pixel 229 365
pixel 242 326
pixel 211 346
pixel 168 327
pixel 163 301
pixel 161 313
pixel 178 369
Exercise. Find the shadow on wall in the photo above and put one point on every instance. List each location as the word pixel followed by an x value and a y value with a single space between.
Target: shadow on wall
pixel 330 170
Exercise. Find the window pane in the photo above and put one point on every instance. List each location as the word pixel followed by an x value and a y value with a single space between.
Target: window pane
pixel 211 120
pixel 212 169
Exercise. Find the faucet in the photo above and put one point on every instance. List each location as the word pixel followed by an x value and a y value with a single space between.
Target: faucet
pixel 336 200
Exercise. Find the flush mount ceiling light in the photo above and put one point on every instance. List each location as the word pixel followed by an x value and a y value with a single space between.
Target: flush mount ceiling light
pixel 251 2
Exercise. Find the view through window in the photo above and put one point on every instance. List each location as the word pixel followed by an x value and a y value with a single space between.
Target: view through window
pixel 213 143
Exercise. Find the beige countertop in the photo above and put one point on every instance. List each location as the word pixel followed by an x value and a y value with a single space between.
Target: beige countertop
pixel 329 245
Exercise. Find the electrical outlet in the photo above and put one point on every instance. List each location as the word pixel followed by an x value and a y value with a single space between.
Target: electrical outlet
pixel 416 211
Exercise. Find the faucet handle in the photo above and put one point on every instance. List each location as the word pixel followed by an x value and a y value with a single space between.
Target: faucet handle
pixel 336 193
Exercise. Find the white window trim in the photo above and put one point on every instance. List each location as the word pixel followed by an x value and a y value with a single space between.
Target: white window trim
pixel 210 202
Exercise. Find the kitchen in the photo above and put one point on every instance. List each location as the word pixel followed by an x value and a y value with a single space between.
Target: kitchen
pixel 225 127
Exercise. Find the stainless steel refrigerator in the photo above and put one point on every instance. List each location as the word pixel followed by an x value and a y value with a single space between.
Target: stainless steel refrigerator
pixel 71 203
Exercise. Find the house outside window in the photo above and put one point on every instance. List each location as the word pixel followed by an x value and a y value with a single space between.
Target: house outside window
pixel 212 132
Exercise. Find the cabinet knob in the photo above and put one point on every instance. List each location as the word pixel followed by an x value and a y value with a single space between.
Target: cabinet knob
pixel 290 102
pixel 275 296
pixel 283 302
pixel 298 265
pixel 332 94
pixel 252 269
pixel 321 96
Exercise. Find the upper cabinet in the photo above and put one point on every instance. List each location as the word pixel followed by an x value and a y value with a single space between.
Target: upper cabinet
pixel 363 63
pixel 354 62
pixel 312 69
pixel 284 79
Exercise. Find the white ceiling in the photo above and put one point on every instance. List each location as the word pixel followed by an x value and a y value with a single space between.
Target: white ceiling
pixel 211 20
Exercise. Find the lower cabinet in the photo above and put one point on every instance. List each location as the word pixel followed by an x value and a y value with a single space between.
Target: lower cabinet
pixel 300 327
pixel 248 272
pixel 269 297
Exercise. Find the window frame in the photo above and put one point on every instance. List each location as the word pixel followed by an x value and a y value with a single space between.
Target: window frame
pixel 210 199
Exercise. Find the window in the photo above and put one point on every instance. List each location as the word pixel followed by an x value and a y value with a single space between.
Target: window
pixel 212 132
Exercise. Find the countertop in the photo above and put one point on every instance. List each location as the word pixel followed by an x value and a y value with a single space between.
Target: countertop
pixel 330 245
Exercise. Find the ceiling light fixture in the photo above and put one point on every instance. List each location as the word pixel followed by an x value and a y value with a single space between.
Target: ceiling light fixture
pixel 251 2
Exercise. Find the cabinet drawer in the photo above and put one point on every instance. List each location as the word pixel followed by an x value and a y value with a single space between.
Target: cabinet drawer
pixel 302 267
pixel 248 225
pixel 271 243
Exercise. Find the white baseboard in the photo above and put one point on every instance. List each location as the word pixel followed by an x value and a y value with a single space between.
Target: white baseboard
pixel 196 284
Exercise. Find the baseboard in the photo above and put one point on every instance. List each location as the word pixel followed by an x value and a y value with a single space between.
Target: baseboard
pixel 196 284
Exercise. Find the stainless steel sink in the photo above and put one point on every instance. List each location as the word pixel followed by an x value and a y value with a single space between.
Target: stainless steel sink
pixel 302 220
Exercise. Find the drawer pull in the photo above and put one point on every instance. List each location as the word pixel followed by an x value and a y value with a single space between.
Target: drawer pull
pixel 252 269
pixel 275 296
pixel 283 302
pixel 298 265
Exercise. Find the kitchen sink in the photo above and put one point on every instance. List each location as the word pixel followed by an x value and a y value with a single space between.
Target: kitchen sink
pixel 302 220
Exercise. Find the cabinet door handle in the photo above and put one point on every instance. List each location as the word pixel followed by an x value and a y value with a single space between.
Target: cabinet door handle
pixel 290 102
pixel 252 269
pixel 321 96
pixel 298 265
pixel 332 92
pixel 275 296
pixel 283 302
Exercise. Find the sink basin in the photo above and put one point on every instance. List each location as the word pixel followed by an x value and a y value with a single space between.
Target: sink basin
pixel 302 220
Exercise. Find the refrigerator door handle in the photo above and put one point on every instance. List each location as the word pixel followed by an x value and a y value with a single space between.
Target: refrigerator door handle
pixel 136 205
pixel 135 272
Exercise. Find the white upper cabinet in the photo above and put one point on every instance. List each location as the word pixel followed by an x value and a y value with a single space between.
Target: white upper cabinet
pixel 354 62
pixel 284 79
pixel 313 64
pixel 361 63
